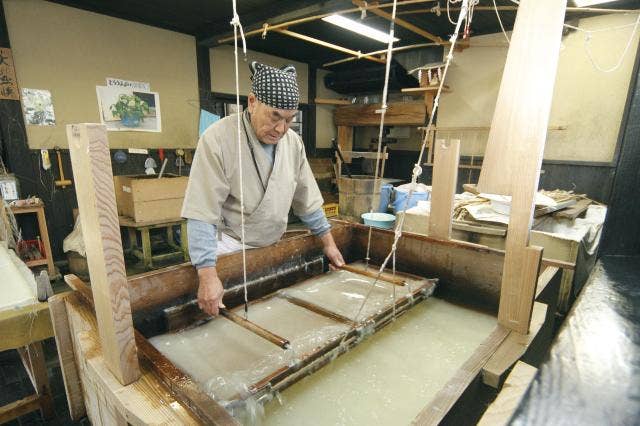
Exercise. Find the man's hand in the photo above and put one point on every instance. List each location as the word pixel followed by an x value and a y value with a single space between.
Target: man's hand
pixel 210 291
pixel 331 251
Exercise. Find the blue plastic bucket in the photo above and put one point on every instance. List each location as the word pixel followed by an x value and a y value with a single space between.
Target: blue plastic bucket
pixel 385 197
pixel 379 220
pixel 400 198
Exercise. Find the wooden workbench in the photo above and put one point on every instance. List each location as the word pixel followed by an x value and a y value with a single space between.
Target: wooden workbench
pixel 146 255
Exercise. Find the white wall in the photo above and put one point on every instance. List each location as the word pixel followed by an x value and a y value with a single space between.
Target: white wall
pixel 325 129
pixel 590 103
pixel 222 65
pixel 70 51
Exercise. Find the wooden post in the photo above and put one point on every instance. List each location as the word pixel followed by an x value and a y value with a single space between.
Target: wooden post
pixel 70 376
pixel 345 139
pixel 445 176
pixel 91 162
pixel 515 147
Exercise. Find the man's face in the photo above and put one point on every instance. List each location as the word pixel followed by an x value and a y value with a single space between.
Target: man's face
pixel 270 124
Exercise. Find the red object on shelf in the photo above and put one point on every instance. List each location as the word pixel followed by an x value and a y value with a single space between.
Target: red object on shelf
pixel 25 246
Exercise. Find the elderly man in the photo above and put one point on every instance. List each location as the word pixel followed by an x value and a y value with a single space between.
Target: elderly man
pixel 276 177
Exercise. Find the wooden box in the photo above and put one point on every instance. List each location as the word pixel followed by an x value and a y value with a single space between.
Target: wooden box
pixel 145 198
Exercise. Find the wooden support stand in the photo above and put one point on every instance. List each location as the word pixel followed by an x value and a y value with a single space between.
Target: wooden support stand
pixel 91 162
pixel 38 210
pixel 24 329
pixel 445 176
pixel 146 255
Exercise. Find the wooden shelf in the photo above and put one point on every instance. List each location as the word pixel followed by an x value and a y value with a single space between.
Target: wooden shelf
pixel 37 262
pixel 421 90
pixel 322 101
pixel 38 210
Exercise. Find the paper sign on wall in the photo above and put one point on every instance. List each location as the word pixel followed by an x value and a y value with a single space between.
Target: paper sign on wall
pixel 8 83
pixel 136 85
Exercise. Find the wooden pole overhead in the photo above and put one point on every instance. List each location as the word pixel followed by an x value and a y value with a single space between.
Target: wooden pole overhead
pixel 329 45
pixel 267 27
pixel 402 23
pixel 380 52
pixel 91 160
pixel 515 8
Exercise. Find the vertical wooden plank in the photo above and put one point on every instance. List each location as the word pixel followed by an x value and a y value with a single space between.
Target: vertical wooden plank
pixel 445 176
pixel 519 279
pixel 518 130
pixel 515 147
pixel 64 345
pixel 44 235
pixel 345 139
pixel 91 162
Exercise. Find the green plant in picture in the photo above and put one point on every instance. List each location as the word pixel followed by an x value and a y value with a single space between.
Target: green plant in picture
pixel 131 110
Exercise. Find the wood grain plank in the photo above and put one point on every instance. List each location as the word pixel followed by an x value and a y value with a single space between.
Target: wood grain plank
pixel 519 280
pixel 64 346
pixel 512 349
pixel 518 130
pixel 91 160
pixel 445 176
pixel 513 157
pixel 22 326
pixel 502 409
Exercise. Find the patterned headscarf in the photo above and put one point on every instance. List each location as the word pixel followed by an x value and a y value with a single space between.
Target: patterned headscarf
pixel 276 87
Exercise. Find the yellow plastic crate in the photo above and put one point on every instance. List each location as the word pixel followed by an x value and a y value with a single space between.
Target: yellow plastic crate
pixel 330 209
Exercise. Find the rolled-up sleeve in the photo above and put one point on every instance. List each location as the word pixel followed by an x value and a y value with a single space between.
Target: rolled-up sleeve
pixel 203 243
pixel 316 222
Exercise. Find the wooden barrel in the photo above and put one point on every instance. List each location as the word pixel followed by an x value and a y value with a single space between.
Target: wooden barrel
pixel 358 195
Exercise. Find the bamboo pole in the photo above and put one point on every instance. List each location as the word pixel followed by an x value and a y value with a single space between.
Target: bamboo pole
pixel 266 27
pixel 515 8
pixel 383 277
pixel 379 52
pixel 255 328
pixel 328 45
pixel 317 309
pixel 402 23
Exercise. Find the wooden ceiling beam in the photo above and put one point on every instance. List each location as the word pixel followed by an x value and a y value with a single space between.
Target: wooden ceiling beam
pixel 285 21
pixel 401 22
pixel 329 45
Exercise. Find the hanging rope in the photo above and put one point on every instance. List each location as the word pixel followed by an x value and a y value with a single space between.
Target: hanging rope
pixel 417 170
pixel 237 28
pixel 383 111
pixel 587 43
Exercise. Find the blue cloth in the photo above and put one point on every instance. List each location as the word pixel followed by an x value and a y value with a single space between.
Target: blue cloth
pixel 316 222
pixel 203 242
pixel 206 120
pixel 203 237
